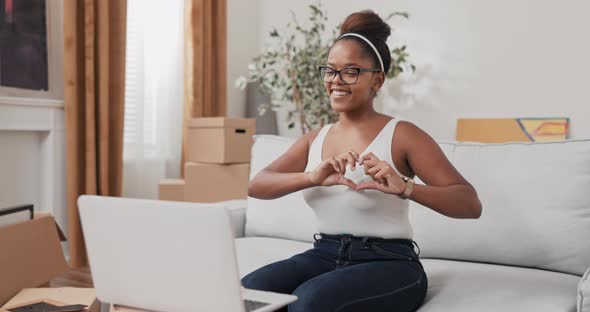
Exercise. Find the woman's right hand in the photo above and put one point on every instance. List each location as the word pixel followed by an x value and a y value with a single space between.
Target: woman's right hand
pixel 331 171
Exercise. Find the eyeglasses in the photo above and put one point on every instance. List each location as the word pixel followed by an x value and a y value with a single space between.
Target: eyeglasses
pixel 347 75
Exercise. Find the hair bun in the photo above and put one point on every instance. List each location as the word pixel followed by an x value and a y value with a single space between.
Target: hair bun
pixel 367 23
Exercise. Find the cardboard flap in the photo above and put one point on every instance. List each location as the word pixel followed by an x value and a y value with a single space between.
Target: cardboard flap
pixel 221 122
pixel 63 296
pixel 30 256
pixel 62 236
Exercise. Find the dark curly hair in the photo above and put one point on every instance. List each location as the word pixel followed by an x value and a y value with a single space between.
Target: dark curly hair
pixel 368 24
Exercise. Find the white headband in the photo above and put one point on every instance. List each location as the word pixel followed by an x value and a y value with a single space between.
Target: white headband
pixel 370 44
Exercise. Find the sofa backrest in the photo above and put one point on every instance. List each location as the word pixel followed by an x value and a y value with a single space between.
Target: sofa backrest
pixel 535 196
pixel 536 207
pixel 286 217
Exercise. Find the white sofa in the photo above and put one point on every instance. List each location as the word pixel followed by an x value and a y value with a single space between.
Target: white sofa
pixel 529 251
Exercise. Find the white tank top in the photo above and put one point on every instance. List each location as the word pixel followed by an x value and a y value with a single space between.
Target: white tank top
pixel 342 210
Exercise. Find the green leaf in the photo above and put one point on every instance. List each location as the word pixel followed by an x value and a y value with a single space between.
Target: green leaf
pixel 274 33
pixel 291 125
pixel 241 82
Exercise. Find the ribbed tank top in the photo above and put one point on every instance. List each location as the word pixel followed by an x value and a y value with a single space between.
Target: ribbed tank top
pixel 342 210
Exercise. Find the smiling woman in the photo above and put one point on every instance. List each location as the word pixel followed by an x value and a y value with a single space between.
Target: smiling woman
pixel 357 176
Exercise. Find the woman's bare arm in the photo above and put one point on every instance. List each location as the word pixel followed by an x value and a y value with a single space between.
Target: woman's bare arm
pixel 286 174
pixel 446 190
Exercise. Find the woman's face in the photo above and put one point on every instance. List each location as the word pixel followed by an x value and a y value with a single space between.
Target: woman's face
pixel 350 97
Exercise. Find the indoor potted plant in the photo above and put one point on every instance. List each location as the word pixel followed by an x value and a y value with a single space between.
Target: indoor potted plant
pixel 288 72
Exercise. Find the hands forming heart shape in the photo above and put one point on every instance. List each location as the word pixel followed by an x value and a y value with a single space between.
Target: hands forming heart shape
pixel 384 178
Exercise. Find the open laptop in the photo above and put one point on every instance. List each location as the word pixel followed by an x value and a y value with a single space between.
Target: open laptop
pixel 167 256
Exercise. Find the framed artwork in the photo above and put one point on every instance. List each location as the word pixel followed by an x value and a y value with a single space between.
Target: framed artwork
pixel 31 48
pixel 23 45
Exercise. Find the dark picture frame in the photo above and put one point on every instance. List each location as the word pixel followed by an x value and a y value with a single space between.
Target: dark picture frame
pixel 53 95
pixel 23 44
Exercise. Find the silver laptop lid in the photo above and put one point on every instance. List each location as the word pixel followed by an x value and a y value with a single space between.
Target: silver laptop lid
pixel 160 255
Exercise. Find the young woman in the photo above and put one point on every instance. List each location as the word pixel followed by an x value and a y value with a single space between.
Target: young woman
pixel 356 175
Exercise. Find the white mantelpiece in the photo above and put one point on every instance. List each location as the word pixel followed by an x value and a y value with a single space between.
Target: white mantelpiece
pixel 37 125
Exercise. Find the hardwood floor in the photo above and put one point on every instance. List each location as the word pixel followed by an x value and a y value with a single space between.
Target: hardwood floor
pixel 73 278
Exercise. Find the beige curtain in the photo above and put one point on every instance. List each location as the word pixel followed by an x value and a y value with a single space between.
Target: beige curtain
pixel 94 58
pixel 205 60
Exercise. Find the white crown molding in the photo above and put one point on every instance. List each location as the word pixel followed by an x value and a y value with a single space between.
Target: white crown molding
pixel 31 102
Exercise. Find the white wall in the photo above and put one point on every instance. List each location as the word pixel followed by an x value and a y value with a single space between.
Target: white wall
pixel 242 45
pixel 475 58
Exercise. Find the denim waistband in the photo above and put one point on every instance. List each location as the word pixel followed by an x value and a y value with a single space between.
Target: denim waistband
pixel 365 239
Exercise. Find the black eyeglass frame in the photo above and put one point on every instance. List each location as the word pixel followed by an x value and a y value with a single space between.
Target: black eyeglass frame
pixel 337 72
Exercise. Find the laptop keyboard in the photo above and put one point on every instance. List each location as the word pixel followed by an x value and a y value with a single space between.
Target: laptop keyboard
pixel 253 305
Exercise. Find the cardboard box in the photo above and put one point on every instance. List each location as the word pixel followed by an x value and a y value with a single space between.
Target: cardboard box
pixel 213 182
pixel 502 130
pixel 57 296
pixel 30 256
pixel 171 189
pixel 220 140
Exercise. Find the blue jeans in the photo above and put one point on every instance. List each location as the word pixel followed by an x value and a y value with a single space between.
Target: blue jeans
pixel 347 273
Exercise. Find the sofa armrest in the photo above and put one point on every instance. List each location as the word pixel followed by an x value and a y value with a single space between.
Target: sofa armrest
pixel 584 293
pixel 237 212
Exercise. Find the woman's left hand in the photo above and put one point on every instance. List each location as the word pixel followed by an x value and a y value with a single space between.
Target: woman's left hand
pixel 385 179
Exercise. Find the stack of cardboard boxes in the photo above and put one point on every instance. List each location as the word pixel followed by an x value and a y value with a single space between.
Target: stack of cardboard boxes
pixel 217 167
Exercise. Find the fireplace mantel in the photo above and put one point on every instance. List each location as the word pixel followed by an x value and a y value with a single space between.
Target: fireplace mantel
pixel 46 117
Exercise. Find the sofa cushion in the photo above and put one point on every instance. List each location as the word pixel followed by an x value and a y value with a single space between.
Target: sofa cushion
pixel 536 207
pixel 236 208
pixel 285 217
pixel 466 286
pixel 256 252
pixel 452 285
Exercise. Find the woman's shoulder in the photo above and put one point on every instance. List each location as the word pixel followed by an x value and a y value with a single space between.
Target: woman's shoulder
pixel 410 137
pixel 310 136
pixel 408 128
